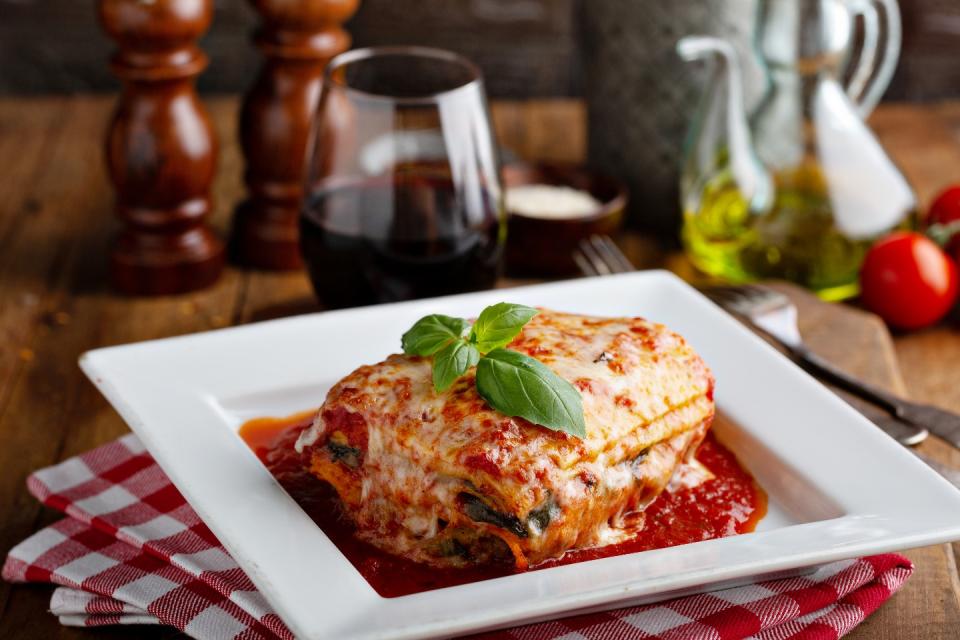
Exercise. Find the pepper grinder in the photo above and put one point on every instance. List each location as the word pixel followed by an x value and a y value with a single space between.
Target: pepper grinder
pixel 160 148
pixel 297 38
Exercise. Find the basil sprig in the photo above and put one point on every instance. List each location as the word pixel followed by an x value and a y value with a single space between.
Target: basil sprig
pixel 498 324
pixel 511 382
pixel 518 385
pixel 432 333
pixel 453 361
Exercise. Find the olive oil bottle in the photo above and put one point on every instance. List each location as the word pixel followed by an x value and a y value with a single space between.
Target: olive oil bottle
pixel 800 188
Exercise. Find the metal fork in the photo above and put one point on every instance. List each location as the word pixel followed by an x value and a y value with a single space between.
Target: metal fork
pixel 599 255
pixel 776 315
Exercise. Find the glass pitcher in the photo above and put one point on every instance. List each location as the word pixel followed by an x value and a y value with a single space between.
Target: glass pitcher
pixel 801 188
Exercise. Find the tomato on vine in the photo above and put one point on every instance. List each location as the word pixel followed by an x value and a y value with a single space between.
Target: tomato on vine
pixel 908 280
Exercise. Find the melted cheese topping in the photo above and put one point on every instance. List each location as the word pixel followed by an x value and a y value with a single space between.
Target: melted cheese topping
pixel 647 400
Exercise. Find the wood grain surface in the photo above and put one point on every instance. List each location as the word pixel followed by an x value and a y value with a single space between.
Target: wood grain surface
pixel 55 229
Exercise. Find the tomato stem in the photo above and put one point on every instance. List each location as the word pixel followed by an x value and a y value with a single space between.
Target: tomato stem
pixel 942 234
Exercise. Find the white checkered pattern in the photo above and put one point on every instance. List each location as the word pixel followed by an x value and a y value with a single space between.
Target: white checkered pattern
pixel 133 552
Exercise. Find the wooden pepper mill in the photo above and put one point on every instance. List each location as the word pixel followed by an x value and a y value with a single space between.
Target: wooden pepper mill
pixel 297 38
pixel 161 148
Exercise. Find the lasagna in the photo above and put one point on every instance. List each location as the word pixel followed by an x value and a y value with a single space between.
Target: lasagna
pixel 442 478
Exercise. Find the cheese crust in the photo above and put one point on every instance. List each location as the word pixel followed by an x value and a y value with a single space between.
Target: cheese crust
pixel 443 478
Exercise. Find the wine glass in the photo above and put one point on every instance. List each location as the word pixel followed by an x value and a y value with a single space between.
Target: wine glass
pixel 403 196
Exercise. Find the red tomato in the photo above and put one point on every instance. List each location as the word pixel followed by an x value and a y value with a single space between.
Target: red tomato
pixel 908 281
pixel 944 210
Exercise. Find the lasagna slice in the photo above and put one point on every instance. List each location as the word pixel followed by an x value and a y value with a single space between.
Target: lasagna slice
pixel 444 479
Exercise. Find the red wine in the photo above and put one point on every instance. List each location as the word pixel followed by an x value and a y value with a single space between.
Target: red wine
pixel 389 240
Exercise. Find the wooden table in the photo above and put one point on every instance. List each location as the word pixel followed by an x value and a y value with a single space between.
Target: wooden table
pixel 55 228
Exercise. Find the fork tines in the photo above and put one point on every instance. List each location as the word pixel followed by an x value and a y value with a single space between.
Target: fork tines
pixel 746 298
pixel 599 255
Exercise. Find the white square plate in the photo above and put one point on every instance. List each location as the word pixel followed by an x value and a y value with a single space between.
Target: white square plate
pixel 838 487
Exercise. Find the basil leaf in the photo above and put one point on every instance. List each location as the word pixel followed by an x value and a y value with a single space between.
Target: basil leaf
pixel 498 324
pixel 517 385
pixel 453 361
pixel 432 333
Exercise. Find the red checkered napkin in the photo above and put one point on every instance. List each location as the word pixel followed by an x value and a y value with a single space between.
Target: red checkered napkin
pixel 134 552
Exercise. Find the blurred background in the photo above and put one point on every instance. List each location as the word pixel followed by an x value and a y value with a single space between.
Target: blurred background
pixel 527 48
pixel 592 100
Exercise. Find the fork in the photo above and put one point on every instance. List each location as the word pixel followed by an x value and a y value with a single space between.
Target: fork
pixel 776 315
pixel 599 255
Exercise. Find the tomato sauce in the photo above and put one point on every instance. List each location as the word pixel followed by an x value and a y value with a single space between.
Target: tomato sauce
pixel 728 504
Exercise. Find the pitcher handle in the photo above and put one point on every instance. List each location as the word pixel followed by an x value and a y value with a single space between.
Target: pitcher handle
pixel 863 91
